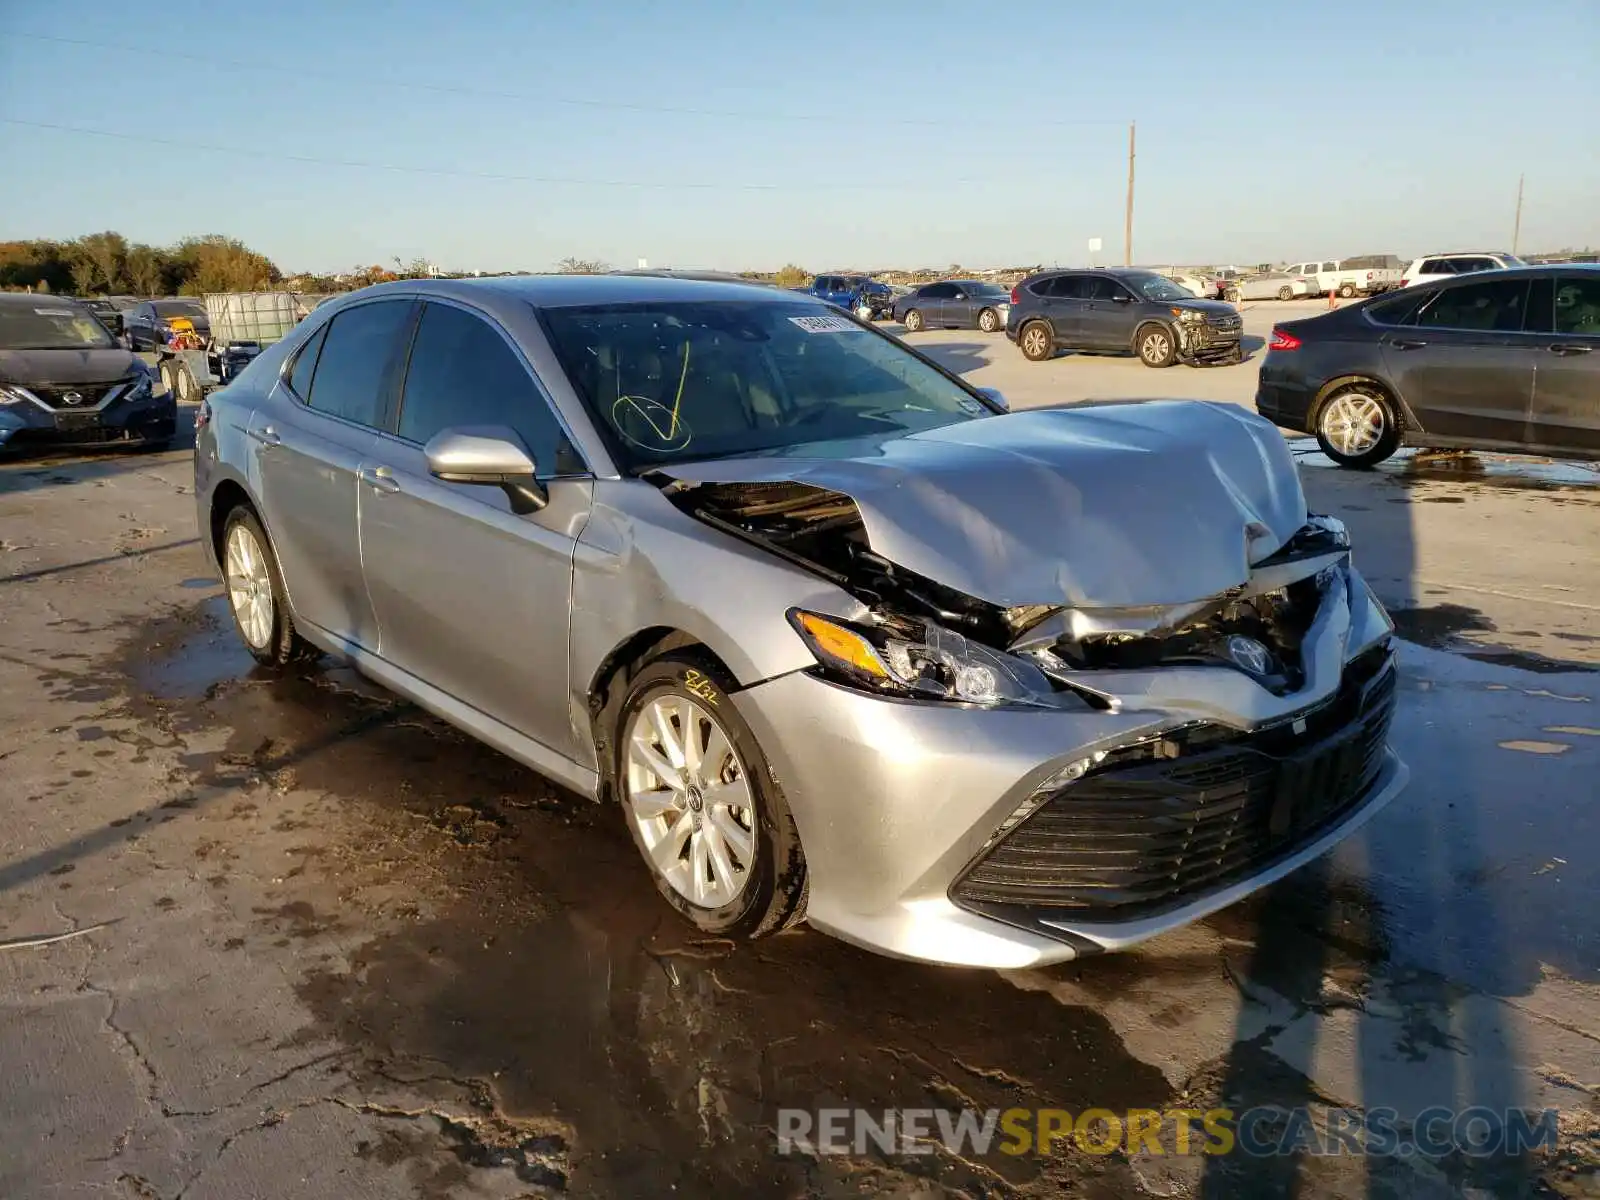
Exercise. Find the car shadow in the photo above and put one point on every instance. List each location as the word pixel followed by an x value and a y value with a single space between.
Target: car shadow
pixel 960 357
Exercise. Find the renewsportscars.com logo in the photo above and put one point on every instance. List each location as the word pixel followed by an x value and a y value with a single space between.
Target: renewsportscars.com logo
pixel 1261 1132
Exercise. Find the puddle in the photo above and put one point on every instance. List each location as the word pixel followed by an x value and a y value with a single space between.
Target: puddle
pixel 189 653
pixel 521 964
pixel 1412 464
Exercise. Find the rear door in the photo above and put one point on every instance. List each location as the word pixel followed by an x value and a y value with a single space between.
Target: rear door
pixel 309 444
pixel 1566 392
pixel 474 599
pixel 936 298
pixel 1464 364
pixel 1064 300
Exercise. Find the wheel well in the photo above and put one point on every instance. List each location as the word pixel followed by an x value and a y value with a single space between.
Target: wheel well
pixel 608 684
pixel 1333 386
pixel 1164 326
pixel 227 497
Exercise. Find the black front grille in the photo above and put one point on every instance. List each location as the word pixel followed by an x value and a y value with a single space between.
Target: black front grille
pixel 1136 838
pixel 55 396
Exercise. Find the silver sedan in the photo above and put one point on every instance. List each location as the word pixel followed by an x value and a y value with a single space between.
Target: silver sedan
pixel 838 638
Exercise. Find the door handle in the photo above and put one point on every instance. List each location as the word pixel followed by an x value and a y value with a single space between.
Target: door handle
pixel 1403 344
pixel 267 436
pixel 379 479
pixel 1569 348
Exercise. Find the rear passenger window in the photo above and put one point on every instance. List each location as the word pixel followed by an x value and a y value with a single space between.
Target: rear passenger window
pixel 1497 306
pixel 1070 287
pixel 1437 266
pixel 463 372
pixel 1330 266
pixel 349 372
pixel 1395 310
pixel 305 362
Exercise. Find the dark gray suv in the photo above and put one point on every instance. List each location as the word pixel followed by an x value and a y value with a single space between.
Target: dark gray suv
pixel 1139 312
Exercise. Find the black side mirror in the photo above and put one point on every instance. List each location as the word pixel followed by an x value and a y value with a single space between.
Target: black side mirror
pixel 1122 298
pixel 490 455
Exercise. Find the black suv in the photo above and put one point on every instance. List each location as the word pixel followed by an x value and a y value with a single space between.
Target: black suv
pixel 1139 312
pixel 64 379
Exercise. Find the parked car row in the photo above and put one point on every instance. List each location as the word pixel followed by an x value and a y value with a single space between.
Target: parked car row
pixel 1506 360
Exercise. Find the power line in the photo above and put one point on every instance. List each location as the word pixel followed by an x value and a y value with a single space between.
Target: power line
pixel 492 176
pixel 298 72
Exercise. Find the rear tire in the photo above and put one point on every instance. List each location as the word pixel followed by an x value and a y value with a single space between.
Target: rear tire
pixel 1037 340
pixel 721 829
pixel 1346 291
pixel 1231 295
pixel 988 320
pixel 257 598
pixel 1357 426
pixel 913 321
pixel 1157 345
pixel 1286 293
pixel 168 383
pixel 188 388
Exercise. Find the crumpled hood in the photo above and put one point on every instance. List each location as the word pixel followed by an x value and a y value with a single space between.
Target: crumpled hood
pixel 27 367
pixel 1106 505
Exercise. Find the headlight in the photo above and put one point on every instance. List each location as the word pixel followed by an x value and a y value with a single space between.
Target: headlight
pixel 1188 315
pixel 937 665
pixel 140 388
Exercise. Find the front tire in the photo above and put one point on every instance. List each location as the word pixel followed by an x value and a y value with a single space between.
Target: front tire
pixel 1231 295
pixel 1157 345
pixel 702 804
pixel 1346 291
pixel 988 320
pixel 1037 340
pixel 913 321
pixel 256 595
pixel 169 382
pixel 1357 427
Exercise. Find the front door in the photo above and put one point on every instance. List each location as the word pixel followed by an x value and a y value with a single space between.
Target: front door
pixel 1107 322
pixel 310 443
pixel 474 599
pixel 1566 390
pixel 1464 366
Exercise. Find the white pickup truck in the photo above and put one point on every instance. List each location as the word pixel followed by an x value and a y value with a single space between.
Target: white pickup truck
pixel 1360 276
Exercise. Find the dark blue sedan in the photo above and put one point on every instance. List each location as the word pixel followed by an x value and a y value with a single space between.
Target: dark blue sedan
pixel 954 304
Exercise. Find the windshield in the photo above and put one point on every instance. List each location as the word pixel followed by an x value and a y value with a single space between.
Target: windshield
pixel 51 326
pixel 1511 260
pixel 676 382
pixel 1158 287
pixel 179 308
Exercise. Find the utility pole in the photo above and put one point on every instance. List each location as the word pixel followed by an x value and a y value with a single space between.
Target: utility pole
pixel 1516 229
pixel 1127 224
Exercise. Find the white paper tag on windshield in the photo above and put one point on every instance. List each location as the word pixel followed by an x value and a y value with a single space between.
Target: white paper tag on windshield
pixel 55 312
pixel 826 324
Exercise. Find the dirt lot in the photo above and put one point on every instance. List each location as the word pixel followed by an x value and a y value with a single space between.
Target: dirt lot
pixel 327 947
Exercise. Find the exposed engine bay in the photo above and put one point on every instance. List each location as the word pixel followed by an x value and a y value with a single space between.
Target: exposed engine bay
pixel 1262 620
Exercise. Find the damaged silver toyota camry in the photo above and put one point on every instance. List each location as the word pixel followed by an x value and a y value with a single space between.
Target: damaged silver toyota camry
pixel 841 639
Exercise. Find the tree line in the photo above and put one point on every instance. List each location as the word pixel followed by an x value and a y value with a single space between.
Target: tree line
pixel 109 264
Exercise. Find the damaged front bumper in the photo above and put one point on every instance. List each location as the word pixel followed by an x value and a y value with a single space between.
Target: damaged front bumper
pixel 1009 837
pixel 1210 339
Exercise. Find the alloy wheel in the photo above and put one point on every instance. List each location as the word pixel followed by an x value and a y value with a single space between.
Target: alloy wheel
pixel 1353 423
pixel 1035 342
pixel 690 800
pixel 249 586
pixel 1155 346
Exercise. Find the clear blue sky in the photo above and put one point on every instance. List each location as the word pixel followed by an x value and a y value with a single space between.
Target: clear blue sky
pixel 825 133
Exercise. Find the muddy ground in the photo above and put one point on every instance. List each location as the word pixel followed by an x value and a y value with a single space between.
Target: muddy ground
pixel 327 947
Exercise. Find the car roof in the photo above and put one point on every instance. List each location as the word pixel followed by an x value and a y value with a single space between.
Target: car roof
pixel 561 291
pixel 31 298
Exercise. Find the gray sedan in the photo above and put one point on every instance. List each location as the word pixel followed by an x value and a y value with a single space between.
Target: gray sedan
pixel 954 304
pixel 838 638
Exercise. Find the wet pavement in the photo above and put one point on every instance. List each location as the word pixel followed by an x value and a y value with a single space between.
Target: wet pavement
pixel 352 952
